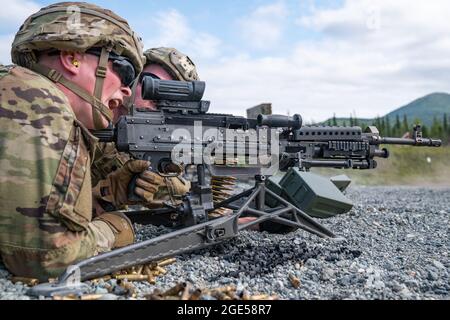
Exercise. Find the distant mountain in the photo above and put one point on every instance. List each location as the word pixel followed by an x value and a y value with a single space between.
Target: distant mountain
pixel 425 109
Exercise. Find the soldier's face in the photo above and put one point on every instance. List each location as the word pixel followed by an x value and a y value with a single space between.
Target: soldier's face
pixel 113 94
pixel 154 69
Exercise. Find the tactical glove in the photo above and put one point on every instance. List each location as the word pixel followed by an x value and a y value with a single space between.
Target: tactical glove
pixel 172 192
pixel 114 189
pixel 121 227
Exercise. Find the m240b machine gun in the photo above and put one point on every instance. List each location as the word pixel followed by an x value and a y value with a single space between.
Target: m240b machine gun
pixel 182 131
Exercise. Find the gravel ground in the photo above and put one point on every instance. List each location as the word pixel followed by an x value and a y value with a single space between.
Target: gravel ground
pixel 395 246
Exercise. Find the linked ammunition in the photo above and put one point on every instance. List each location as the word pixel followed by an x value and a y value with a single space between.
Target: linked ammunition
pixel 222 189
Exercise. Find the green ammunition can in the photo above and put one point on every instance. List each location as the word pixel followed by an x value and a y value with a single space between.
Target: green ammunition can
pixel 315 195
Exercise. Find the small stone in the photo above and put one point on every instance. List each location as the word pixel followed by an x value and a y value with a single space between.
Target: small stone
pixel 397 287
pixel 405 293
pixel 327 274
pixel 101 290
pixel 432 276
pixel 379 285
pixel 438 265
pixel 119 291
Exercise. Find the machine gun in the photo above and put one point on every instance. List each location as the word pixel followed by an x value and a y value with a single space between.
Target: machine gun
pixel 182 128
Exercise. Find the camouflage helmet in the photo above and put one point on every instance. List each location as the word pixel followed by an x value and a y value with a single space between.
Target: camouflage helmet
pixel 78 27
pixel 179 65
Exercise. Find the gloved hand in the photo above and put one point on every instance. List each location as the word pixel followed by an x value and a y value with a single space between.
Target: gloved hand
pixel 114 189
pixel 121 226
pixel 171 191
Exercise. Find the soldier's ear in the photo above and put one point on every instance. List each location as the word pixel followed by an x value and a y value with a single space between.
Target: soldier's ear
pixel 70 62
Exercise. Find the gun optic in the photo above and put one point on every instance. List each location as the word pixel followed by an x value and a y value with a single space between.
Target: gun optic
pixel 155 89
pixel 277 121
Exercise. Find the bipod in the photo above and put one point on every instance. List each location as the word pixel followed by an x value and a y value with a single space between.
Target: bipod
pixel 186 240
pixel 286 214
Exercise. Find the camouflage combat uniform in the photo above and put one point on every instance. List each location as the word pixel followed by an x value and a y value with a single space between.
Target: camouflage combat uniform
pixel 45 152
pixel 45 185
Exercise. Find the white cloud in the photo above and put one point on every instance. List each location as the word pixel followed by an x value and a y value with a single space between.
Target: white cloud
pixel 12 15
pixel 371 57
pixel 264 26
pixel 15 12
pixel 5 48
pixel 173 29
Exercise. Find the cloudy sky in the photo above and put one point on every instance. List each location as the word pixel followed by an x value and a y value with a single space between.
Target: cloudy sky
pixel 313 57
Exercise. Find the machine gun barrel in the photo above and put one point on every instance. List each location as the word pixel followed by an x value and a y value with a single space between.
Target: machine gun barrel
pixel 422 142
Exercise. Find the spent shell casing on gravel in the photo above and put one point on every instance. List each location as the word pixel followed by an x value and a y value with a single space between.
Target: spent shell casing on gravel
pixel 175 291
pixel 167 262
pixel 294 281
pixel 31 282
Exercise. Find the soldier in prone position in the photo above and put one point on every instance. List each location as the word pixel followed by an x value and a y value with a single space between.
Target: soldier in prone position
pixel 67 80
pixel 165 64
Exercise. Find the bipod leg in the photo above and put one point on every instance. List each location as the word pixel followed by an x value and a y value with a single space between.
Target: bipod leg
pixel 257 198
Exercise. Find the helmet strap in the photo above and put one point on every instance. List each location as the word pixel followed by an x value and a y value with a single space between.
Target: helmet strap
pixel 130 105
pixel 100 73
pixel 97 106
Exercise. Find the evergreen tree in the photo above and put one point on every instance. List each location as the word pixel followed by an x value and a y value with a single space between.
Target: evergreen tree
pixel 388 127
pixel 335 120
pixel 383 130
pixel 397 126
pixel 377 122
pixel 406 127
pixel 351 121
pixel 425 131
pixel 446 129
pixel 436 129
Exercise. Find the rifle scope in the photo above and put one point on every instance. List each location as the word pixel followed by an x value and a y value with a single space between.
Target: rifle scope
pixel 171 90
pixel 278 121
